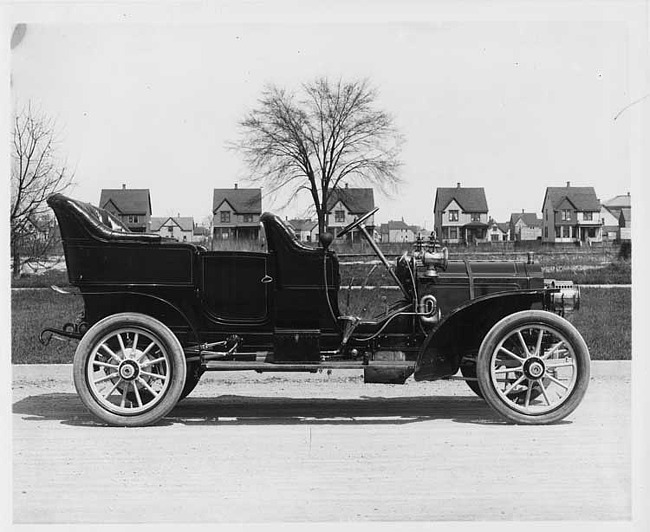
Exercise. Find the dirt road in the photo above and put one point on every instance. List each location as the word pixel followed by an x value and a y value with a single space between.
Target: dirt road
pixel 292 447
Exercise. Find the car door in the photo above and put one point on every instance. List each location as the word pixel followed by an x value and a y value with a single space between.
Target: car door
pixel 236 286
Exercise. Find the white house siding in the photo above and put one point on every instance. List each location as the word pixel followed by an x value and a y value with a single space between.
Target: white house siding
pixel 450 227
pixel 494 234
pixel 530 233
pixel 401 235
pixel 171 230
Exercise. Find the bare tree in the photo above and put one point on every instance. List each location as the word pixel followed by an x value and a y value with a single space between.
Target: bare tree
pixel 36 173
pixel 328 135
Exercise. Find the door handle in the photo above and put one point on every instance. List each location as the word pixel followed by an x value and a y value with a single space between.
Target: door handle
pixel 266 279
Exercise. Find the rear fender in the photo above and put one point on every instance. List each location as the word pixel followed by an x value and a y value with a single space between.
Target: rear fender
pixel 104 303
pixel 463 330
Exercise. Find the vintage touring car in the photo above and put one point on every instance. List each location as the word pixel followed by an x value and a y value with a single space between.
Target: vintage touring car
pixel 158 313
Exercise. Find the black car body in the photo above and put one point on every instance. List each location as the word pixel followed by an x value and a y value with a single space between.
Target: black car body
pixel 499 323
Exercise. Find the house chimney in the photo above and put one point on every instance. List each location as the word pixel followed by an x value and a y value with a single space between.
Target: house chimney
pixel 568 184
pixel 522 211
pixel 628 194
pixel 457 185
pixel 235 186
pixel 123 186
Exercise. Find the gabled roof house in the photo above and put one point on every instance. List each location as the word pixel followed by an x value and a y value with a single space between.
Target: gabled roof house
pixel 460 214
pixel 345 205
pixel 306 229
pixel 610 213
pixel 525 226
pixel 235 213
pixel 398 231
pixel 180 228
pixel 571 214
pixel 132 206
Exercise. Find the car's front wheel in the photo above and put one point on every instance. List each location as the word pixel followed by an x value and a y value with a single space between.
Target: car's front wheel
pixel 533 367
pixel 129 370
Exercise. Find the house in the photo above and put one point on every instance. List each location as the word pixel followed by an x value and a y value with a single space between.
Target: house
pixel 200 233
pixel 306 229
pixel 132 206
pixel 179 228
pixel 571 214
pixel 345 205
pixel 397 231
pixel 498 232
pixel 610 213
pixel 235 213
pixel 460 214
pixel 525 226
pixel 625 224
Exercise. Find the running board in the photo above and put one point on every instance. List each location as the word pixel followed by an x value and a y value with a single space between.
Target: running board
pixel 233 365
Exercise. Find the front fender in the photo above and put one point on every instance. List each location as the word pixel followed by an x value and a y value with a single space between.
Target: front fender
pixel 463 330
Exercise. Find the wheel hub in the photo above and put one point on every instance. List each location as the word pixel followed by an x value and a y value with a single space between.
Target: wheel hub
pixel 129 370
pixel 534 368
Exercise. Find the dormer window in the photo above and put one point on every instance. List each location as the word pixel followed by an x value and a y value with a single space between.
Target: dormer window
pixel 565 215
pixel 588 216
pixel 225 217
pixel 339 216
pixel 453 216
pixel 475 216
pixel 134 219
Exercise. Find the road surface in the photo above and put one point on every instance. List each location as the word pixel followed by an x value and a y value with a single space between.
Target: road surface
pixel 291 447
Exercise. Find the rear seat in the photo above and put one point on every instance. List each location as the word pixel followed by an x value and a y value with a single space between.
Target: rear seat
pixel 80 221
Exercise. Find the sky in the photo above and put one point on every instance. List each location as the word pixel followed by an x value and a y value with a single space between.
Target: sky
pixel 511 105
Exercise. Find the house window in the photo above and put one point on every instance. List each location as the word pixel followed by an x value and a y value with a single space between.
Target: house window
pixel 248 218
pixel 495 238
pixel 546 232
pixel 339 216
pixel 591 232
pixel 134 219
pixel 184 238
pixel 170 229
pixel 453 216
pixel 225 217
pixel 453 232
pixel 476 217
pixel 565 214
pixel 588 216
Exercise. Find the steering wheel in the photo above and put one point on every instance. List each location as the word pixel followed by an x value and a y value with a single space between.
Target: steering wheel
pixel 356 223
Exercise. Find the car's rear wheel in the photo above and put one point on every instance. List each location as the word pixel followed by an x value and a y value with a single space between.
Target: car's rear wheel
pixel 533 367
pixel 192 376
pixel 129 370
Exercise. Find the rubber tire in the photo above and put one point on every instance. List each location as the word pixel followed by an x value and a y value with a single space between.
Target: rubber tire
pixel 193 374
pixel 163 335
pixel 504 327
pixel 469 372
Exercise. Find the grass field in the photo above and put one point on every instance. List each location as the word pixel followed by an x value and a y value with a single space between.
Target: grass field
pixel 604 320
pixel 583 268
pixel 31 311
